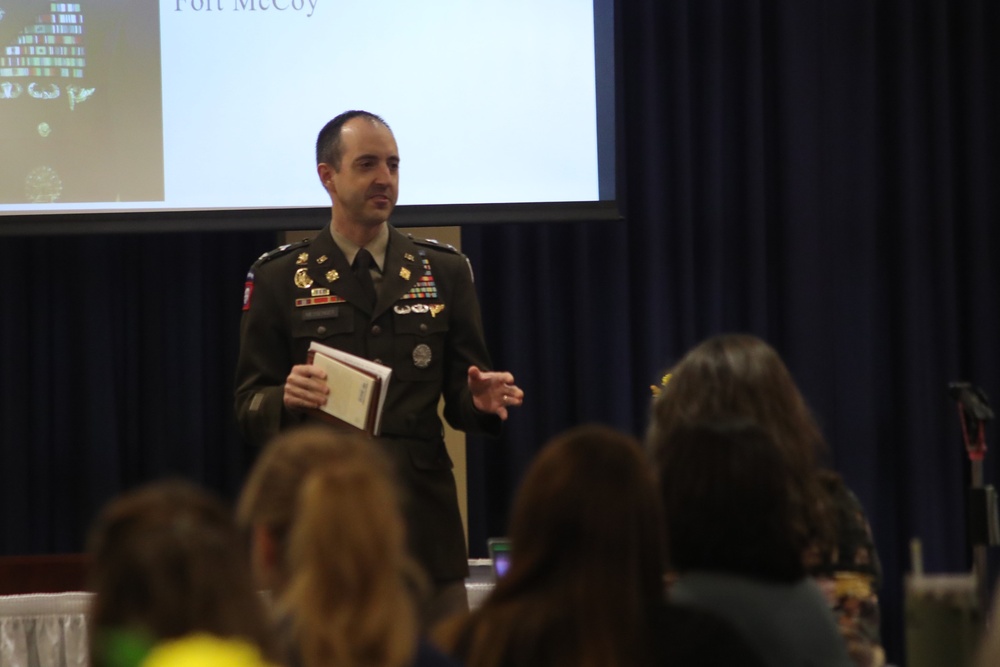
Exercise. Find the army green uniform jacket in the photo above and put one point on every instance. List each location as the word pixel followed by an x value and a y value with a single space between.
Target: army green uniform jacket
pixel 426 326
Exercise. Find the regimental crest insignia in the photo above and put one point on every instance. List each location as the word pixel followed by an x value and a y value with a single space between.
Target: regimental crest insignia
pixel 302 279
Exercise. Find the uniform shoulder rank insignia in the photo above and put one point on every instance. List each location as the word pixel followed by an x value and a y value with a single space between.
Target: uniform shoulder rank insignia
pixel 281 250
pixel 444 247
pixel 437 245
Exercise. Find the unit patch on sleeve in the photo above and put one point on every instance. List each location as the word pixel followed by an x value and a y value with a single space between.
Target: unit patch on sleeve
pixel 248 289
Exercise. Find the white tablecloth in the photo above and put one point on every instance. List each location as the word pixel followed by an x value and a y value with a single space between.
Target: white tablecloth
pixel 50 629
pixel 44 630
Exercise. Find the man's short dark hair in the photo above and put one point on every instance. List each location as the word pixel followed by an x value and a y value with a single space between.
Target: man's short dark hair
pixel 329 149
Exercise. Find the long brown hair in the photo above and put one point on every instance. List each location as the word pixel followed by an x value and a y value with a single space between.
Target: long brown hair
pixel 330 502
pixel 726 502
pixel 166 561
pixel 741 376
pixel 586 562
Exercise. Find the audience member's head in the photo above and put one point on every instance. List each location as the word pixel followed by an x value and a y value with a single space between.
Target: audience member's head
pixel 166 562
pixel 329 538
pixel 741 376
pixel 727 506
pixel 586 561
pixel 585 506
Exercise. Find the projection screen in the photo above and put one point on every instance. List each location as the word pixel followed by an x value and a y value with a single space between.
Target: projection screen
pixel 121 114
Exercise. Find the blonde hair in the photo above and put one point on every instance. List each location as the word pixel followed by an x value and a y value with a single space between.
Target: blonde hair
pixel 331 504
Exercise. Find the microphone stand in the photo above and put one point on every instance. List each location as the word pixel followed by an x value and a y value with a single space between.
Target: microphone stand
pixel 984 527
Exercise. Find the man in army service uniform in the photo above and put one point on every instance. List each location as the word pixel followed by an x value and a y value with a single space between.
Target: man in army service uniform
pixel 366 288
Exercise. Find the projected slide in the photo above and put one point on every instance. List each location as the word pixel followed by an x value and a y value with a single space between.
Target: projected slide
pixel 80 103
pixel 215 104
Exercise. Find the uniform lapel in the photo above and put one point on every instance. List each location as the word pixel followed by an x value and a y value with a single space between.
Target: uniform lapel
pixel 329 268
pixel 400 272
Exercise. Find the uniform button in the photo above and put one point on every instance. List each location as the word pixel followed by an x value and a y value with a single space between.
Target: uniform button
pixel 321 329
pixel 376 330
pixel 423 328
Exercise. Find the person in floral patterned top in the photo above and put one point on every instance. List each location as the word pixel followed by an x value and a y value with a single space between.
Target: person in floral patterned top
pixel 850 573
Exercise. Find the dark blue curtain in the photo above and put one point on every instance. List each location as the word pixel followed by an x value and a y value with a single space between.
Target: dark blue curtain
pixel 818 172
pixel 118 357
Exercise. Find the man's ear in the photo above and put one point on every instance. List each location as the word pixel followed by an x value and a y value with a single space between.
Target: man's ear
pixel 325 172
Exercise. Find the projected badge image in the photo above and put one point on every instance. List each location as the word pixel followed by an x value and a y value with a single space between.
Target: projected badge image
pixel 80 102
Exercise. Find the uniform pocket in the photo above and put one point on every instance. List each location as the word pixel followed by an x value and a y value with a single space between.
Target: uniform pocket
pixel 419 344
